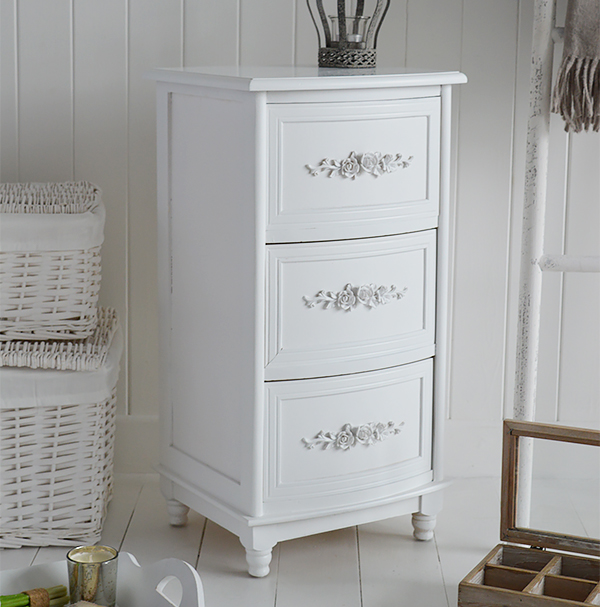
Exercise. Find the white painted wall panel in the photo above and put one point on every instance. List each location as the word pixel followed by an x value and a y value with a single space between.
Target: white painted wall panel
pixel 44 31
pixel 9 136
pixel 482 210
pixel 211 32
pixel 393 36
pixel 579 378
pixel 74 104
pixel 267 32
pixel 154 40
pixel 579 381
pixel 305 36
pixel 434 38
pixel 100 137
pixel 434 41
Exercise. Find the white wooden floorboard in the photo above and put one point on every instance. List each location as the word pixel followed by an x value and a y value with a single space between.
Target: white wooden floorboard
pixel 16 558
pixel 396 570
pixel 150 538
pixel 320 571
pixel 224 572
pixel 468 528
pixel 49 554
pixel 552 509
pixel 374 565
pixel 126 493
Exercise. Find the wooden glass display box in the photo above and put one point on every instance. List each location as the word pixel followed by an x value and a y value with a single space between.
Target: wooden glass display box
pixel 513 574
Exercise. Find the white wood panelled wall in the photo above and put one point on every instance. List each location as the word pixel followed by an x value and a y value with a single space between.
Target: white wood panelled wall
pixel 74 105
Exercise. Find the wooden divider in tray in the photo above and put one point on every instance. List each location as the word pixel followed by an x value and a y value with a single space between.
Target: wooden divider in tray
pixel 516 575
pixel 513 575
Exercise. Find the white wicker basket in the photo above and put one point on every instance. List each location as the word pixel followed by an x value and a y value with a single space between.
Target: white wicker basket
pixel 86 354
pixel 50 238
pixel 57 433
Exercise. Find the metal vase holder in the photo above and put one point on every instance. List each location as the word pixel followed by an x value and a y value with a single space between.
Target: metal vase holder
pixel 350 39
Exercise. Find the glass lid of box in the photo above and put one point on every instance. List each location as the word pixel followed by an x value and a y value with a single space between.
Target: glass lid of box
pixel 551 487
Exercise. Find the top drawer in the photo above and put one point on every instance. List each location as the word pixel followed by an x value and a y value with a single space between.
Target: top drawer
pixel 341 170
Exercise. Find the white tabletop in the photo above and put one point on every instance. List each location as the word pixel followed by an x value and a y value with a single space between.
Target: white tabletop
pixel 303 78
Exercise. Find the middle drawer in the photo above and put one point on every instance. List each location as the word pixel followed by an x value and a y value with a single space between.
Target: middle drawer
pixel 349 306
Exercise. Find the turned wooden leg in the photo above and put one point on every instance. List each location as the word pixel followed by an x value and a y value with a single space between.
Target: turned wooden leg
pixel 177 513
pixel 423 525
pixel 258 562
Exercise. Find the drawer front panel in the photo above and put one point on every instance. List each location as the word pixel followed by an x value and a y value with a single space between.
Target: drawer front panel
pixel 352 170
pixel 343 307
pixel 363 432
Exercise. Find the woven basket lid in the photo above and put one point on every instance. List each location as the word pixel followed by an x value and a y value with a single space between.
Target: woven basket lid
pixel 52 386
pixel 69 197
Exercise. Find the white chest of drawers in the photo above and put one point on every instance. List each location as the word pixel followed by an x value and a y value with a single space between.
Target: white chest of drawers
pixel 303 247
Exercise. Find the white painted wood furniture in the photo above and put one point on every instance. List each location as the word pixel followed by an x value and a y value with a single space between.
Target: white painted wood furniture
pixel 303 269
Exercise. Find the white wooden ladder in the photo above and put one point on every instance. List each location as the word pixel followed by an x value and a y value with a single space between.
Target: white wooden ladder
pixel 534 262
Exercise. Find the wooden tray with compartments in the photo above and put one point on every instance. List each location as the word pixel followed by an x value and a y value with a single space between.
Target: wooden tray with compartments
pixel 513 574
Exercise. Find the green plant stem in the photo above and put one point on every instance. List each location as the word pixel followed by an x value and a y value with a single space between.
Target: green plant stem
pixel 56 591
pixel 14 600
pixel 60 601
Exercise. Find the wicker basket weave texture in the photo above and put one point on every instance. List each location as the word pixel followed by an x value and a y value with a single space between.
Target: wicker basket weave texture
pixel 44 198
pixel 50 265
pixel 86 354
pixel 56 473
pixel 57 432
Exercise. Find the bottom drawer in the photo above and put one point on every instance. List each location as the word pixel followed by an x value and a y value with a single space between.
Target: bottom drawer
pixel 350 438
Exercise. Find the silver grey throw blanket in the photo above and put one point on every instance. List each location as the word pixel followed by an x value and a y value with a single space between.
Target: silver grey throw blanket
pixel 577 91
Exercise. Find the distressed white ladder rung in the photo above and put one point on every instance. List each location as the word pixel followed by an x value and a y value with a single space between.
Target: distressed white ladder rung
pixel 569 263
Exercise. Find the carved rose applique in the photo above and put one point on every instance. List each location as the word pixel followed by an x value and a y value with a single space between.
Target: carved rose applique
pixel 350 167
pixel 365 435
pixel 345 438
pixel 346 299
pixel 389 163
pixel 350 436
pixel 350 297
pixel 366 295
pixel 370 163
pixel 373 163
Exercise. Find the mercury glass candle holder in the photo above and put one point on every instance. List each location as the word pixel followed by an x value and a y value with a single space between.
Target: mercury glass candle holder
pixel 93 574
